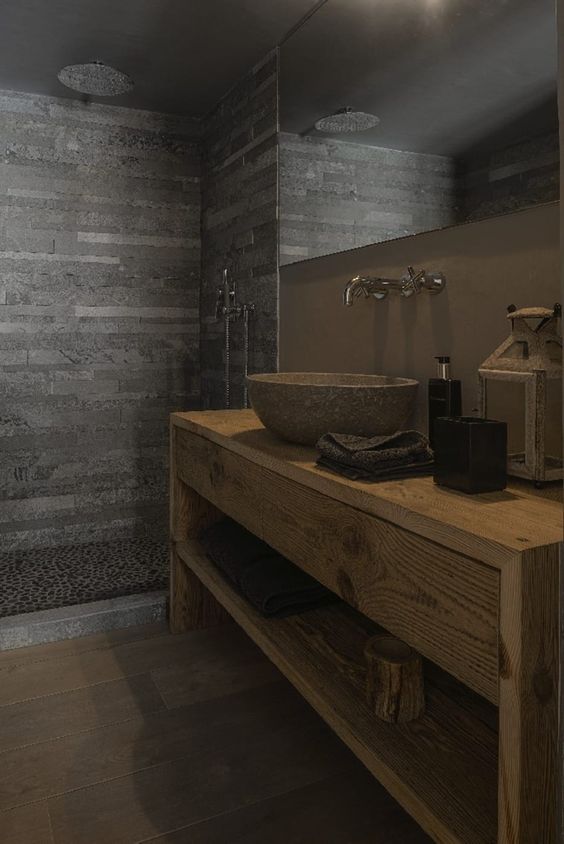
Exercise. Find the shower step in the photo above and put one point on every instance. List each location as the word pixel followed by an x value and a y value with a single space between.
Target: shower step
pixel 37 579
pixel 36 628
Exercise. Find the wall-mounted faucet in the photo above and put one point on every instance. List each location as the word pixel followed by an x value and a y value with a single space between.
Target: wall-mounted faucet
pixel 378 288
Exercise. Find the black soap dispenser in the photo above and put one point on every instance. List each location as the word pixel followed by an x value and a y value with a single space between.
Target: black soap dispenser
pixel 445 395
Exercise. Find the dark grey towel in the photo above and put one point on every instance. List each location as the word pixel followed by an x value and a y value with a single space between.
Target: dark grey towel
pixel 271 583
pixel 233 548
pixel 278 588
pixel 390 473
pixel 402 454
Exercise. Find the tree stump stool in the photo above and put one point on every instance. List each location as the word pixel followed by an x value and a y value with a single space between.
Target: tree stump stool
pixel 394 679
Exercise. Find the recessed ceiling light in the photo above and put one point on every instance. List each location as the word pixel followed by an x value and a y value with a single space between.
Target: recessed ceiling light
pixel 96 79
pixel 347 120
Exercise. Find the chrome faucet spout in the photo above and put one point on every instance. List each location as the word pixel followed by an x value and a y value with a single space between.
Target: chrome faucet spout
pixel 355 287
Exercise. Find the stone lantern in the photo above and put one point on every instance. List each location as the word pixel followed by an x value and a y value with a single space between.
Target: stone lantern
pixel 532 354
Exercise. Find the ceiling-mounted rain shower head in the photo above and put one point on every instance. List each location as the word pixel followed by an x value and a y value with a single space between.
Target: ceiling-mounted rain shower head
pixel 347 120
pixel 95 79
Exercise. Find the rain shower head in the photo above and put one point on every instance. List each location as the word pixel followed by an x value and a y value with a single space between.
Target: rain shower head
pixel 95 79
pixel 347 120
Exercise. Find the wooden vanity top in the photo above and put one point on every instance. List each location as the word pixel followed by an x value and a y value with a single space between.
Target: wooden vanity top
pixel 494 527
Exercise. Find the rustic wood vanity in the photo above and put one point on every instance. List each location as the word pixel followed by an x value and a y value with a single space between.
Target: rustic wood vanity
pixel 471 582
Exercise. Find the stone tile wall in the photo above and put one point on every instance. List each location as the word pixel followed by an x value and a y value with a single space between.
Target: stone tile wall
pixel 510 179
pixel 239 226
pixel 336 196
pixel 99 327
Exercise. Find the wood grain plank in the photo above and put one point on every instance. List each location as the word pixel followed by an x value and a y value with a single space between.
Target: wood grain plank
pixel 529 779
pixel 215 474
pixel 492 527
pixel 189 512
pixel 26 825
pixel 191 605
pixel 250 768
pixel 321 653
pixel 54 767
pixel 351 809
pixel 71 712
pixel 442 603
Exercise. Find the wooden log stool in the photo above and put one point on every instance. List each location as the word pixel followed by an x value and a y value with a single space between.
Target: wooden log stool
pixel 394 679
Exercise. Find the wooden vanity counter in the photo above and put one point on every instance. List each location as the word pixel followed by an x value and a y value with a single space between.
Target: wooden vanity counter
pixel 471 582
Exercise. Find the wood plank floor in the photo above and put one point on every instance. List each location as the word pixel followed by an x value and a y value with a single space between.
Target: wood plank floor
pixel 140 736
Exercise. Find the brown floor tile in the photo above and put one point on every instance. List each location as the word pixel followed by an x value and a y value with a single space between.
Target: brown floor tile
pixel 248 769
pixel 74 671
pixel 91 752
pixel 214 672
pixel 66 647
pixel 52 768
pixel 26 825
pixel 71 712
pixel 345 809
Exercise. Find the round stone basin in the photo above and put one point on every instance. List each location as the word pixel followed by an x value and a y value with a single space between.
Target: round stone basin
pixel 301 406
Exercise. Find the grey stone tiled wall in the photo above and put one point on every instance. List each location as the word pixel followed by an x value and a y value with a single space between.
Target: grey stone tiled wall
pixel 336 196
pixel 239 225
pixel 99 278
pixel 512 178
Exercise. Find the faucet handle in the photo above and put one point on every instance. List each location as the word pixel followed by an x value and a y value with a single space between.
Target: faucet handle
pixel 412 282
pixel 219 303
pixel 434 282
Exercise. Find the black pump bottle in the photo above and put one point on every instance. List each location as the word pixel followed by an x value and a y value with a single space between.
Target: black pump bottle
pixel 445 395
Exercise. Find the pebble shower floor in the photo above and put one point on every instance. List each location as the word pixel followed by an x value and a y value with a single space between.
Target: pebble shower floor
pixel 48 578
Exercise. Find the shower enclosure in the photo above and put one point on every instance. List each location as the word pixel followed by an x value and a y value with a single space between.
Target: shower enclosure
pixel 115 227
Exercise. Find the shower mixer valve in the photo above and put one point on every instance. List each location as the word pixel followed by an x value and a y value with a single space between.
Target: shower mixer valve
pixel 225 303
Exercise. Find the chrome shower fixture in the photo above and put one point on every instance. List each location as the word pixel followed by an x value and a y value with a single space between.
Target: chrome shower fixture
pixel 95 79
pixel 378 288
pixel 230 310
pixel 347 120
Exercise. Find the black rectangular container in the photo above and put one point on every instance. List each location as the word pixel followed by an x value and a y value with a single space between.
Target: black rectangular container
pixel 470 454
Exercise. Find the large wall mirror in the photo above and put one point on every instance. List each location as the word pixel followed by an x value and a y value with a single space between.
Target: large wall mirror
pixel 402 116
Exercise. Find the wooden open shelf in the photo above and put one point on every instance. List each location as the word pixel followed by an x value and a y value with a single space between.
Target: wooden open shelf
pixel 442 768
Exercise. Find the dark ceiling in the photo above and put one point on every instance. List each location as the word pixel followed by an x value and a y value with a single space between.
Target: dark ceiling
pixel 444 76
pixel 182 54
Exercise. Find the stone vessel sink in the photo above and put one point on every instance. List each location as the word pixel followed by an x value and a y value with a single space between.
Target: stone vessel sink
pixel 301 406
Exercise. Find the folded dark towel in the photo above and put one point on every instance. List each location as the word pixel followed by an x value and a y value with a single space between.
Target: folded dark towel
pixel 402 454
pixel 391 473
pixel 271 583
pixel 371 453
pixel 233 548
pixel 278 588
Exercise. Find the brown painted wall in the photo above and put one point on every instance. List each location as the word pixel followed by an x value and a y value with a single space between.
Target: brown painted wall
pixel 488 265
